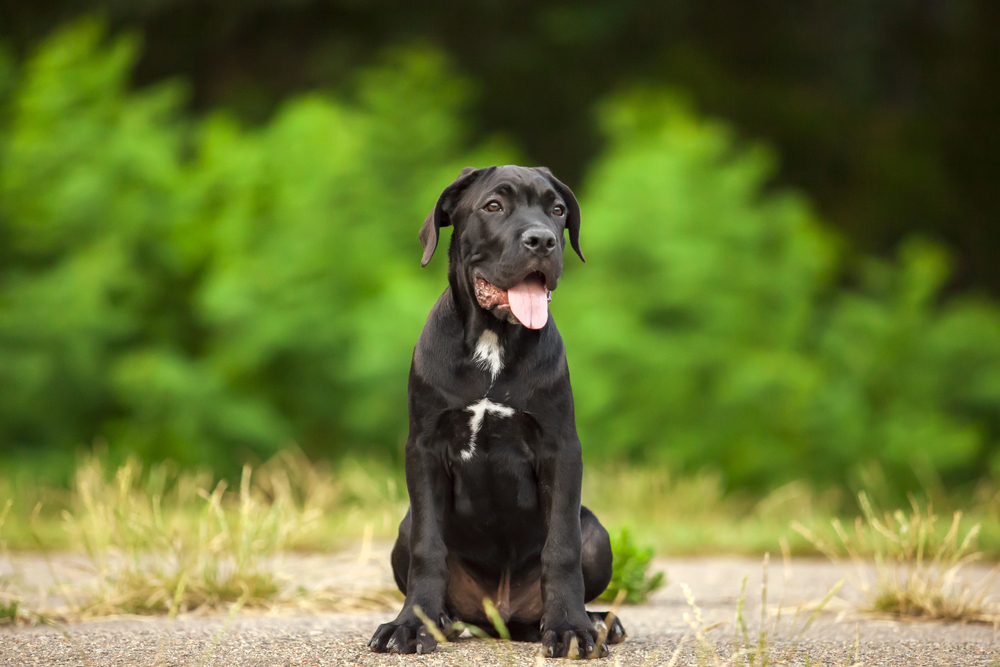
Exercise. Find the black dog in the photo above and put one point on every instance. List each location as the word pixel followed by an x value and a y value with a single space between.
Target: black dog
pixel 493 464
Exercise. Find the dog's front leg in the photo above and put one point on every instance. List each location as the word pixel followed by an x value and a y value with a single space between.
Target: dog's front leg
pixel 427 576
pixel 565 622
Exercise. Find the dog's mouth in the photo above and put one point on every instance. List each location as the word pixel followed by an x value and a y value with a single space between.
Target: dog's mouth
pixel 527 302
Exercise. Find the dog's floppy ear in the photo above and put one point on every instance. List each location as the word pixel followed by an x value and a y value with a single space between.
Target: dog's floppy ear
pixel 440 215
pixel 573 212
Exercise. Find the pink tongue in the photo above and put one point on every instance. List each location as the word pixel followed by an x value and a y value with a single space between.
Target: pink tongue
pixel 529 302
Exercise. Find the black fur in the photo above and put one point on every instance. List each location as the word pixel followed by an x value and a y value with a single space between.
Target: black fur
pixel 506 523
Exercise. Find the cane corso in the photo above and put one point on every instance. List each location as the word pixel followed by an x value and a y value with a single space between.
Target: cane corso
pixel 493 464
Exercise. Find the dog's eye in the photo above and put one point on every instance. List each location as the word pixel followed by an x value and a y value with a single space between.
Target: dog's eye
pixel 493 206
pixel 558 209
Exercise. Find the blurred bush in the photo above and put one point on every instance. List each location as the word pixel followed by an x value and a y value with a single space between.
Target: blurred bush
pixel 192 289
pixel 715 325
pixel 198 291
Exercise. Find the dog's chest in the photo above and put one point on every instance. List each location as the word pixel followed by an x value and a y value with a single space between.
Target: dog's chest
pixel 490 444
pixel 486 431
pixel 488 423
pixel 492 464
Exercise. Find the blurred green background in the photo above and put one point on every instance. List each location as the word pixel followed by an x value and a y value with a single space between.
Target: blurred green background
pixel 208 217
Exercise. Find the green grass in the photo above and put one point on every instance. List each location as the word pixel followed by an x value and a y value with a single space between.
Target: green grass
pixel 157 538
pixel 675 515
pixel 334 504
pixel 695 515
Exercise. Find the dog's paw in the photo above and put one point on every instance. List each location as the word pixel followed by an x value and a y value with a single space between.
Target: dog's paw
pixel 407 636
pixel 573 641
pixel 615 634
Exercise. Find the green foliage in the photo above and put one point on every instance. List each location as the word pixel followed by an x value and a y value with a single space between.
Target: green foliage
pixel 630 571
pixel 711 328
pixel 192 289
pixel 201 292
pixel 687 320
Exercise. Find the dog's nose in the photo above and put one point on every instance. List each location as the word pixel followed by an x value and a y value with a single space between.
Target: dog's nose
pixel 539 241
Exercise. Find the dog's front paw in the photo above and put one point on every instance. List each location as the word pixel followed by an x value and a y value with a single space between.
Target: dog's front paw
pixel 406 635
pixel 571 640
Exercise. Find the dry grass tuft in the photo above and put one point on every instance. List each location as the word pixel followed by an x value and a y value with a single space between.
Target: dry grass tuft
pixel 769 647
pixel 918 567
pixel 163 543
pixel 209 556
pixel 208 550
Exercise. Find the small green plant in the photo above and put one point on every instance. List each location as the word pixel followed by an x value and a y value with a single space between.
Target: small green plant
pixel 917 565
pixel 11 610
pixel 630 571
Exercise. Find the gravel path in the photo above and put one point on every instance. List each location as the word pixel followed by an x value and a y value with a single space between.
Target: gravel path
pixel 655 629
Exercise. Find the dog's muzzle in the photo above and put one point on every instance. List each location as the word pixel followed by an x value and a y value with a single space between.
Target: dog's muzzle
pixel 526 303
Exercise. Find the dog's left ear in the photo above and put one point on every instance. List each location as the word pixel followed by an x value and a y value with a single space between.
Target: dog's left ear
pixel 440 216
pixel 573 214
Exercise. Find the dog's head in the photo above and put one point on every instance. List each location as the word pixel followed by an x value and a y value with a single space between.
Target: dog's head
pixel 507 247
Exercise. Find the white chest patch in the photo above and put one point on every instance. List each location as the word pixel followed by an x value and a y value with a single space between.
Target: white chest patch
pixel 489 354
pixel 479 411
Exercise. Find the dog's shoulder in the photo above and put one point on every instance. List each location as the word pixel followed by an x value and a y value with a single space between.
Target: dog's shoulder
pixel 442 334
pixel 439 355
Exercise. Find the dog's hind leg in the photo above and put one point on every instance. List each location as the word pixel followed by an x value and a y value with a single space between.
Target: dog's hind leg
pixel 595 555
pixel 401 554
pixel 596 561
pixel 615 634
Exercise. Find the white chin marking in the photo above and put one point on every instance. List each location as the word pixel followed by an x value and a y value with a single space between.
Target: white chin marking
pixel 479 411
pixel 489 354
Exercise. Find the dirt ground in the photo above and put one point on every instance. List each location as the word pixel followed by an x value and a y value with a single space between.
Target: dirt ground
pixel 839 636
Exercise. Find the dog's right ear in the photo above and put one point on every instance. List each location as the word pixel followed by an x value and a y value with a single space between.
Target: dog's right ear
pixel 440 216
